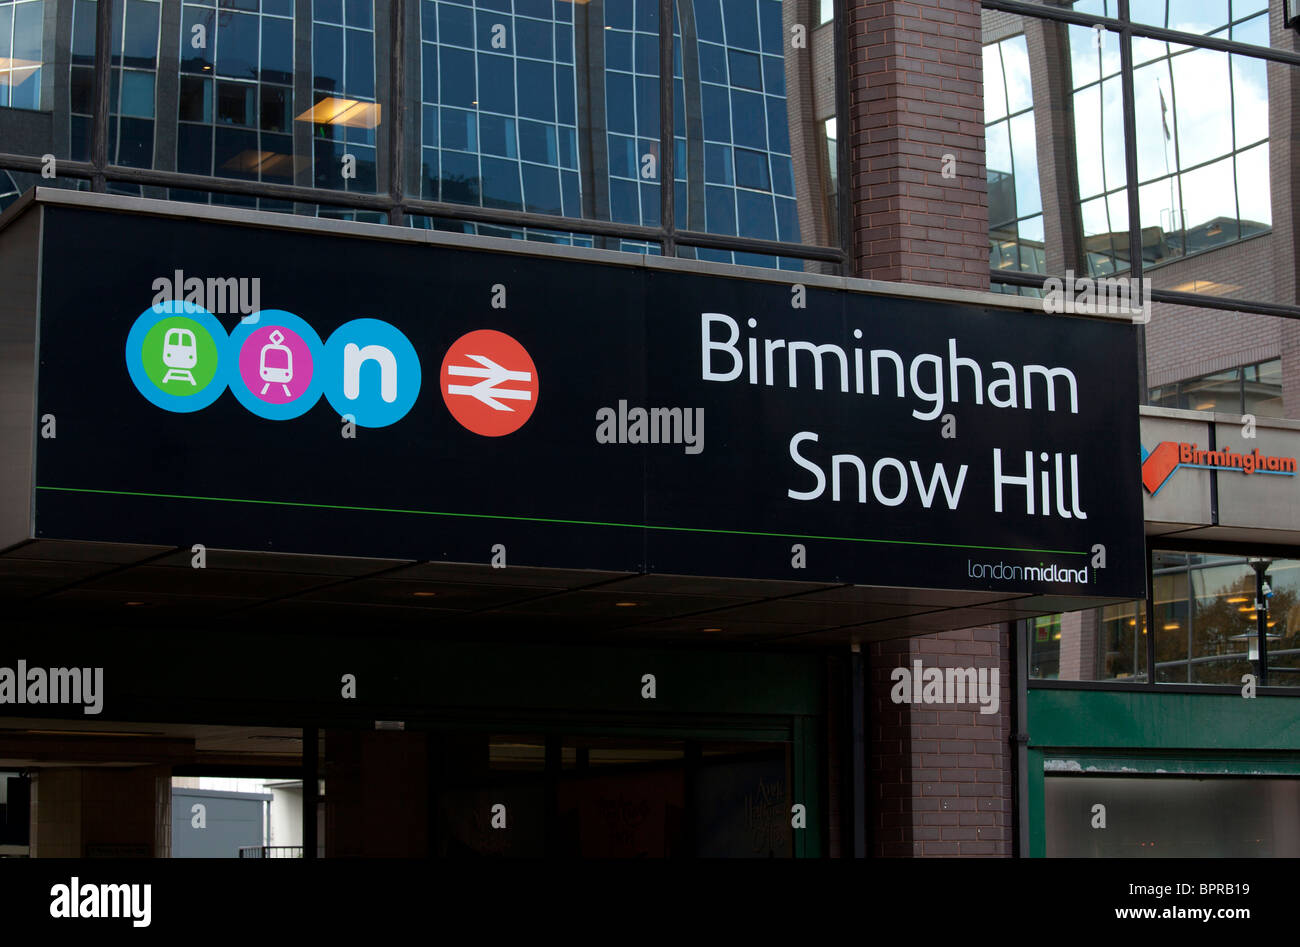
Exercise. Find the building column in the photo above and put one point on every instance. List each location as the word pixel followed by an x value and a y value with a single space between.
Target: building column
pixel 96 812
pixel 941 774
pixel 916 120
pixel 376 794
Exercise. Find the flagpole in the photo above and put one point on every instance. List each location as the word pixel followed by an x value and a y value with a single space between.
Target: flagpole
pixel 1164 125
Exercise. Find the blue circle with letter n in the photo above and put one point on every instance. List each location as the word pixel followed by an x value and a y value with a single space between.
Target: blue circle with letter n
pixel 372 371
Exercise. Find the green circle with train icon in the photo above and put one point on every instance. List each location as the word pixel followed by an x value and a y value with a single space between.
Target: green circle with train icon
pixel 179 356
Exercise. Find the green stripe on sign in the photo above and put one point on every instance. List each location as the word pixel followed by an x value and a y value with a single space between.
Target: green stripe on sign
pixel 544 519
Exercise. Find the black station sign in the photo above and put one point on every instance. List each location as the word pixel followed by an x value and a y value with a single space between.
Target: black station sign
pixel 285 391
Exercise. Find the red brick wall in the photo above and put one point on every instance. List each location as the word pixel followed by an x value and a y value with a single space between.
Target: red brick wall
pixel 915 94
pixel 941 778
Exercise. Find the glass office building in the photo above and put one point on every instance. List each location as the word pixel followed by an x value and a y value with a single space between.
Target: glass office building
pixel 1154 146
pixel 445 114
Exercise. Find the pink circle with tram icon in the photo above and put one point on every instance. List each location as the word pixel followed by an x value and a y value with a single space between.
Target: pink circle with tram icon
pixel 275 364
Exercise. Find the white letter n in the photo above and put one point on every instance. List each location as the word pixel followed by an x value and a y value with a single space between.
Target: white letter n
pixel 354 358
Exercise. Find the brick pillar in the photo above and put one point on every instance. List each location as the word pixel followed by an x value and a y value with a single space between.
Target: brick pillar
pixel 941 778
pixel 916 95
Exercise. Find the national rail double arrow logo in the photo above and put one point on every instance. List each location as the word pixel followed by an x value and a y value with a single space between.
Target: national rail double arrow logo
pixel 489 383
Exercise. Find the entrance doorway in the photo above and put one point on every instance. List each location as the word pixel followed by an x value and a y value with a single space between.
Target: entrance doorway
pixel 513 795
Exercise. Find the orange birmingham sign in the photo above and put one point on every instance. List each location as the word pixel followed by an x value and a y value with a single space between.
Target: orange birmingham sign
pixel 1159 464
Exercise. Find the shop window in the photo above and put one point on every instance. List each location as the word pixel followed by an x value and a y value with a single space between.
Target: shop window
pixel 1101 644
pixel 1172 817
pixel 1206 627
pixel 613 796
pixel 1262 390
pixel 1252 389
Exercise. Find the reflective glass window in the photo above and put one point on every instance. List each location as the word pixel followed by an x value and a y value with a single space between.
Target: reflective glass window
pixel 345 114
pixel 132 82
pixel 81 81
pixel 1202 148
pixel 737 87
pixel 22 31
pixel 1100 644
pixel 499 106
pixel 1207 623
pixel 541 106
pixel 1015 203
pixel 235 110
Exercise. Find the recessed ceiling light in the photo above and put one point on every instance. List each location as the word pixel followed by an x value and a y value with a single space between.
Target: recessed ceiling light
pixel 1205 286
pixel 626 604
pixel 251 161
pixel 710 629
pixel 19 65
pixel 339 111
pixel 424 594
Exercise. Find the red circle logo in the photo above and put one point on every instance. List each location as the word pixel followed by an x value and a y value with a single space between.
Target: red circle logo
pixel 489 383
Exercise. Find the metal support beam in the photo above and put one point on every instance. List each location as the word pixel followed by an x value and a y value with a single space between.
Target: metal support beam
pixel 858 751
pixel 396 108
pixel 667 92
pixel 104 11
pixel 310 784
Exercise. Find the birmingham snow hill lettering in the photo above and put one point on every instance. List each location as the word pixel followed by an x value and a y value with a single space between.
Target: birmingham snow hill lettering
pixel 407 400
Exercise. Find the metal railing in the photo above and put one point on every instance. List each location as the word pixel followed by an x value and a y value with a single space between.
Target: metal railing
pixel 270 851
